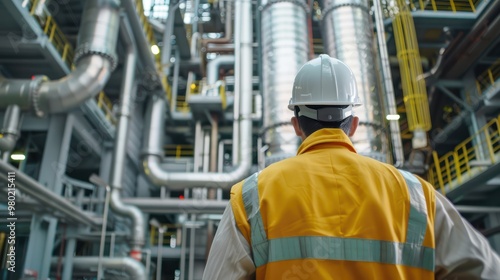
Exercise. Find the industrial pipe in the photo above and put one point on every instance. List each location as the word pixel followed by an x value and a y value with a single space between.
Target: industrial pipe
pixel 120 147
pixel 191 206
pixel 397 144
pixel 214 65
pixel 228 32
pixel 142 44
pixel 153 153
pixel 10 129
pixel 348 36
pixel 46 197
pixel 95 59
pixel 133 268
pixel 285 49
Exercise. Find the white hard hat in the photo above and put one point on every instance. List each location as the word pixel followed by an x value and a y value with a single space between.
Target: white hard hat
pixel 324 81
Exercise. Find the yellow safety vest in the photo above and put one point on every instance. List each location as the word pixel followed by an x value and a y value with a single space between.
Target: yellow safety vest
pixel 329 213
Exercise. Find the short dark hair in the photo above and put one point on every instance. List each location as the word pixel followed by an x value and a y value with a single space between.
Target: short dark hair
pixel 309 126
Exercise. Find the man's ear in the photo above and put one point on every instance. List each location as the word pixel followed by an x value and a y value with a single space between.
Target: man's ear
pixel 296 127
pixel 354 125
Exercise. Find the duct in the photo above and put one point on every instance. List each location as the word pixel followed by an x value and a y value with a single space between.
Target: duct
pixel 10 129
pixel 153 153
pixel 285 50
pixel 389 90
pixel 143 47
pixel 348 37
pixel 95 59
pixel 133 268
pixel 120 146
pixel 46 197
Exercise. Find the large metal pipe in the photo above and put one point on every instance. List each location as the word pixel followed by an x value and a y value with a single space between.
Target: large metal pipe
pixel 153 152
pixel 120 147
pixel 348 36
pixel 46 197
pixel 143 47
pixel 193 206
pixel 95 59
pixel 10 129
pixel 457 60
pixel 285 49
pixel 133 268
pixel 397 144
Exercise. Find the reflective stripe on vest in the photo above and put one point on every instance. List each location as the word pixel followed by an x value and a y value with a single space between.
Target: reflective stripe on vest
pixel 411 253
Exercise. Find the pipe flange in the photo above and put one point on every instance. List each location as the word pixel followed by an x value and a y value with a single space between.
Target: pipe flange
pixel 329 8
pixel 34 90
pixel 297 2
pixel 85 49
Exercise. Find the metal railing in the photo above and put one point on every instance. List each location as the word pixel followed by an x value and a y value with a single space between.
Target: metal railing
pixel 445 5
pixel 105 104
pixel 468 159
pixel 414 90
pixel 167 235
pixel 179 151
pixel 488 78
pixel 52 30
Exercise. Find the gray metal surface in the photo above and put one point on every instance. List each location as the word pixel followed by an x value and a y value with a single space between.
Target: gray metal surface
pixel 348 36
pixel 134 269
pixel 10 129
pixel 285 50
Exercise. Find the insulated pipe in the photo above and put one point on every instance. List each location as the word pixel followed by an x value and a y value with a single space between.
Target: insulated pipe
pixel 133 268
pixel 10 129
pixel 153 153
pixel 192 206
pixel 120 147
pixel 348 36
pixel 214 65
pixel 95 59
pixel 285 50
pixel 397 144
pixel 143 47
pixel 46 197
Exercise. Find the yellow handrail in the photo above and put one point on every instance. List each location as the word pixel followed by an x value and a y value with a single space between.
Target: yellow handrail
pixel 453 168
pixel 179 151
pixel 488 77
pixel 53 32
pixel 446 5
pixel 105 104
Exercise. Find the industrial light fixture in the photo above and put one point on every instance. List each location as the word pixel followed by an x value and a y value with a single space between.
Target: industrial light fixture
pixel 155 49
pixel 392 117
pixel 17 157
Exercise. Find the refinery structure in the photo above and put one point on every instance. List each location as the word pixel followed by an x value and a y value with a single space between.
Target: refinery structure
pixel 124 123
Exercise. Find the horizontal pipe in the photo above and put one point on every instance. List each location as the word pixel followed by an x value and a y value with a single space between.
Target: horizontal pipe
pixel 46 197
pixel 191 206
pixel 134 269
pixel 477 209
pixel 214 65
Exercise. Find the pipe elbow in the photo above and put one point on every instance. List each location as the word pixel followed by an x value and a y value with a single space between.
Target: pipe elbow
pixel 132 212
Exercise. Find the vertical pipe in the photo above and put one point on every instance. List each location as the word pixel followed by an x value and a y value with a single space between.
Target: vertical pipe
pixel 348 36
pixel 182 264
pixel 237 91
pixel 284 50
pixel 68 259
pixel 103 233
pixel 120 147
pixel 159 255
pixel 192 247
pixel 389 89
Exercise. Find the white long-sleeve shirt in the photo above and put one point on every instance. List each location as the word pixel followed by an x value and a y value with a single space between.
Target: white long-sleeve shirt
pixel 461 252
